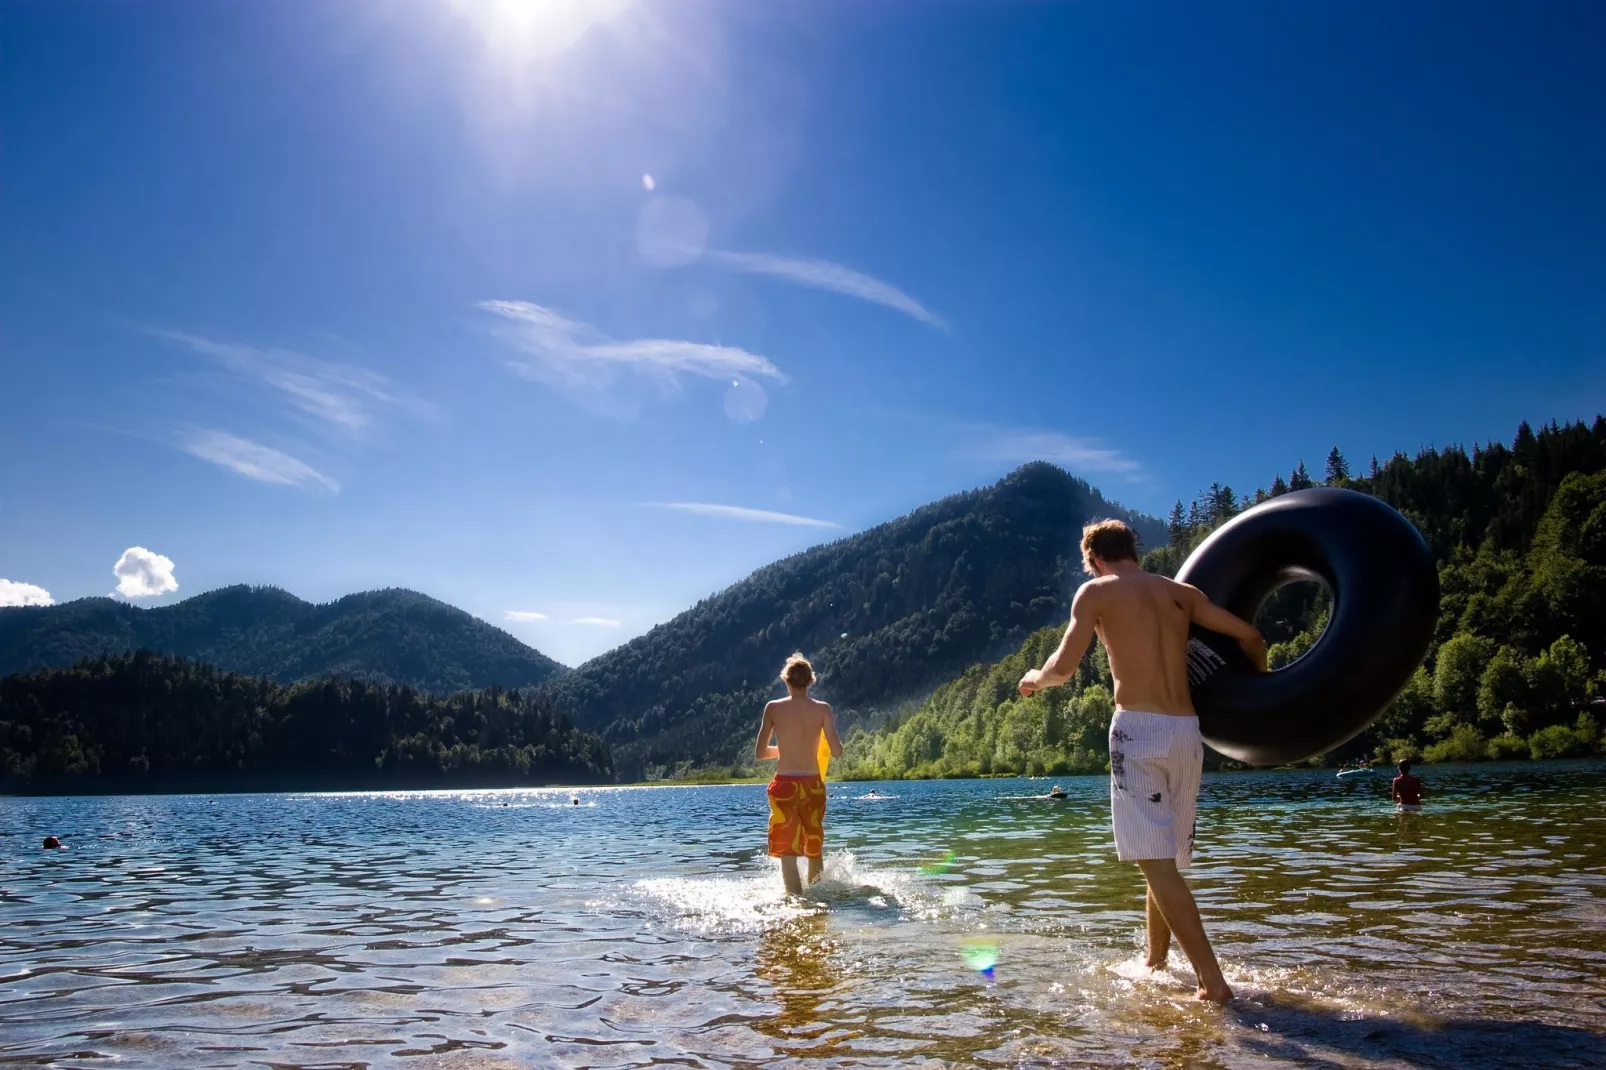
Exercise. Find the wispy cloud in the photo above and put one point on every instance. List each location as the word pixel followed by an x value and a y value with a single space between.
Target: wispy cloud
pixel 826 275
pixel 523 615
pixel 253 460
pixel 341 396
pixel 738 512
pixel 1077 454
pixel 599 622
pixel 560 352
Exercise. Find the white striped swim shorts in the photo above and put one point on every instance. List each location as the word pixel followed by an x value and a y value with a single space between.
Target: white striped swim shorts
pixel 1155 762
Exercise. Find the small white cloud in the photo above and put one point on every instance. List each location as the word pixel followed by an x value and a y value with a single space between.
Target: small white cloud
pixel 572 356
pixel 523 615
pixel 738 512
pixel 1076 454
pixel 254 460
pixel 143 574
pixel 648 184
pixel 825 275
pixel 13 593
pixel 600 622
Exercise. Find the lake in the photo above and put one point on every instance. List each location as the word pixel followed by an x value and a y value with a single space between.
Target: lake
pixel 645 927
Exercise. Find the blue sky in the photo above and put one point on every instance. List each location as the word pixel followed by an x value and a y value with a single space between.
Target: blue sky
pixel 581 310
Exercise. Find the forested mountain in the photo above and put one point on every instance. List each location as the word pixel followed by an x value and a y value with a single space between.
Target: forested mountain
pixel 1518 667
pixel 144 722
pixel 393 636
pixel 888 614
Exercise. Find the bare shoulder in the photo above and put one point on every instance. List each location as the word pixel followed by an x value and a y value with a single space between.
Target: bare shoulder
pixel 1186 593
pixel 1094 590
pixel 823 707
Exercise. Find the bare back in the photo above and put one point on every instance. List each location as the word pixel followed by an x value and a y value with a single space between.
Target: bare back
pixel 1143 621
pixel 797 723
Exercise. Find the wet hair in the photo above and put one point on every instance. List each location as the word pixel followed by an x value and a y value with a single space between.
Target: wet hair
pixel 1108 540
pixel 797 672
pixel 1405 767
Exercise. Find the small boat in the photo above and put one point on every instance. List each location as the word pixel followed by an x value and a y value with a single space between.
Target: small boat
pixel 1362 769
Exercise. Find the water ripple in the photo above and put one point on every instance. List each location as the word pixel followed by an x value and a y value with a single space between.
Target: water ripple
pixel 646 928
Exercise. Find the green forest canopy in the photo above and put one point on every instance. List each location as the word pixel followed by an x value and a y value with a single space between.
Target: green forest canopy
pixel 1516 666
pixel 144 721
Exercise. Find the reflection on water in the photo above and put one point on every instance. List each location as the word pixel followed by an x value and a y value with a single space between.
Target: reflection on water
pixel 646 927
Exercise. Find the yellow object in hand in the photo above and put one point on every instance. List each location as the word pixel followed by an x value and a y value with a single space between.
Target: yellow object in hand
pixel 824 754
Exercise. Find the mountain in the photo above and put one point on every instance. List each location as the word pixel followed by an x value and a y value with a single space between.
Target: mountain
pixel 1517 670
pixel 888 614
pixel 145 722
pixel 392 636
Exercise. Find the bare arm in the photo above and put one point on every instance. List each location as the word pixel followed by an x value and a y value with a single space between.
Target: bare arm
pixel 1061 665
pixel 1206 614
pixel 762 750
pixel 831 737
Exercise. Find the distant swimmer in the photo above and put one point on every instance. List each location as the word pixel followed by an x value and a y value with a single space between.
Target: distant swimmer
pixel 1156 753
pixel 797 794
pixel 51 843
pixel 1407 790
pixel 574 800
pixel 1056 792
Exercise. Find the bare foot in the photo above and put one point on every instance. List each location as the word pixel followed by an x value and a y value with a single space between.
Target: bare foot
pixel 1151 964
pixel 1221 994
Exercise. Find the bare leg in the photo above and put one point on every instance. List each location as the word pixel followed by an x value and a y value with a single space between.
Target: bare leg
pixel 1159 934
pixel 815 866
pixel 794 886
pixel 1170 893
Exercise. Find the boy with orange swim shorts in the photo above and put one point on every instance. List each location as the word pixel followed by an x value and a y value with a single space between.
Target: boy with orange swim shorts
pixel 797 793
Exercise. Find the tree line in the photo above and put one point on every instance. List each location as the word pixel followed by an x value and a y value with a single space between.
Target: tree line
pixel 149 722
pixel 1518 663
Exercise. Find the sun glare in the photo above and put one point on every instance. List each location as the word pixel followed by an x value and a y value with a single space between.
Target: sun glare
pixel 535 29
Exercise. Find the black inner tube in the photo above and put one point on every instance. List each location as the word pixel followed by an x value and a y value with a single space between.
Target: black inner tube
pixel 1385 591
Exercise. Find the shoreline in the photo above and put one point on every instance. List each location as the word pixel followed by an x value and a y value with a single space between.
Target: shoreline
pixel 424 789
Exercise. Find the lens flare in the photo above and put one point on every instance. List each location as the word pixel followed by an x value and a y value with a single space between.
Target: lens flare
pixel 981 958
pixel 936 868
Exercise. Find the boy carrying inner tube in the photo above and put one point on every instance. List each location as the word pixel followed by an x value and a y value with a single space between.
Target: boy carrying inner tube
pixel 1156 754
pixel 797 794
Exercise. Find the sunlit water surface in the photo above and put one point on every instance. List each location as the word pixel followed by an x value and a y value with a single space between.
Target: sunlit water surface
pixel 646 927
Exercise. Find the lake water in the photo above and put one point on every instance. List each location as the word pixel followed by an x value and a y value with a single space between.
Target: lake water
pixel 645 927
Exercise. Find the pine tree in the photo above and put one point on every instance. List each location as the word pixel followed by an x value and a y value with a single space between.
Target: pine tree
pixel 1301 479
pixel 1337 468
pixel 1278 486
pixel 1374 471
pixel 1177 526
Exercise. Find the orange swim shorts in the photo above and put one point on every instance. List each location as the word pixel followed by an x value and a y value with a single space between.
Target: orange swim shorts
pixel 797 816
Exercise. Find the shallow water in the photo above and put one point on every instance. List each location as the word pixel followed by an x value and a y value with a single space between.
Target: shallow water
pixel 645 927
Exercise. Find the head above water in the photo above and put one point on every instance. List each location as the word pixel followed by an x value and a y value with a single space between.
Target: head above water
pixel 797 673
pixel 1106 542
pixel 1405 767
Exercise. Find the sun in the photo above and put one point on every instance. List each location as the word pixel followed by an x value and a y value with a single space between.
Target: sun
pixel 535 29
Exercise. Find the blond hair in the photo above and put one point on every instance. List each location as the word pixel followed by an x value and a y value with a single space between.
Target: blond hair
pixel 1108 540
pixel 797 672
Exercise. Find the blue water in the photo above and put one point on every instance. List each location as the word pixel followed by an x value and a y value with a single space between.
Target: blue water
pixel 645 927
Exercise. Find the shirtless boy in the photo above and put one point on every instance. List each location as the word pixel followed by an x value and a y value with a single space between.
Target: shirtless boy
pixel 1406 789
pixel 1156 754
pixel 797 794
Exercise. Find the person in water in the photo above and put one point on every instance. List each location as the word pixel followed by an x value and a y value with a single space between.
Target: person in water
pixel 1406 789
pixel 797 793
pixel 1056 792
pixel 1156 754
